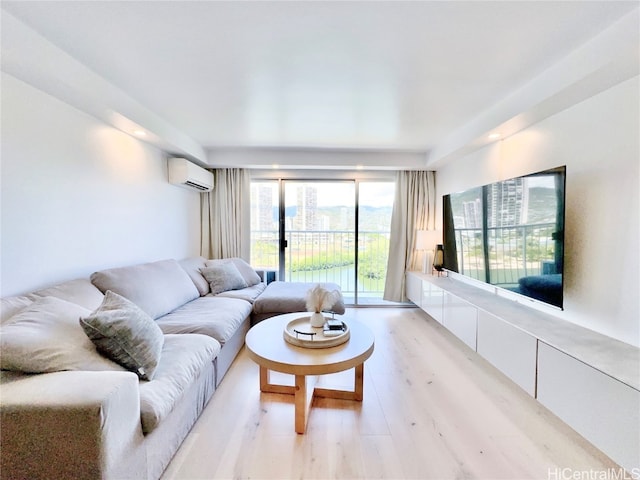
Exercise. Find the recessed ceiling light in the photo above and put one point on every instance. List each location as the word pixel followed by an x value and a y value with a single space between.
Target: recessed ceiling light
pixel 139 133
pixel 494 136
pixel 275 166
pixel 359 167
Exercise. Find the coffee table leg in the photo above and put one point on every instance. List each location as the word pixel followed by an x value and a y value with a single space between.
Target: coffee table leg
pixel 264 379
pixel 303 393
pixel 267 387
pixel 301 404
pixel 358 393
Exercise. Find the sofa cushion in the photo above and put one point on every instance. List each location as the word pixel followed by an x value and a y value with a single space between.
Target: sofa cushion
pixel 80 291
pixel 248 294
pixel 123 332
pixel 183 357
pixel 285 297
pixel 217 317
pixel 9 306
pixel 46 337
pixel 248 273
pixel 157 287
pixel 224 276
pixel 192 266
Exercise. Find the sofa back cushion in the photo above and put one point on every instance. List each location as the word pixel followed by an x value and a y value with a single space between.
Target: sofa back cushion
pixel 192 266
pixel 47 337
pixel 9 306
pixel 80 291
pixel 157 288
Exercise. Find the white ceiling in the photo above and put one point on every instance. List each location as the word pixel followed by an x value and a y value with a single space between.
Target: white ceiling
pixel 389 76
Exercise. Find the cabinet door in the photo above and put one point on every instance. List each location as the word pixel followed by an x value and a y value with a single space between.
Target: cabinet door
pixel 414 288
pixel 509 349
pixel 460 318
pixel 432 300
pixel 603 410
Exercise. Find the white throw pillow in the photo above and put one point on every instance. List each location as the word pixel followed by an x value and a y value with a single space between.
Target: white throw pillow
pixel 46 337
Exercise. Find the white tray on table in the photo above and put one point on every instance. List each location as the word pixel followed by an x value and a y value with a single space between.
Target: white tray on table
pixel 300 333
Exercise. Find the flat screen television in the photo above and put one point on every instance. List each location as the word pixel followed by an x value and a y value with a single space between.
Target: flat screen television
pixel 510 234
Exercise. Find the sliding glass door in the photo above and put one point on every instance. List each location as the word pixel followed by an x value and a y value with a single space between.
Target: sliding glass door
pixel 317 231
pixel 320 232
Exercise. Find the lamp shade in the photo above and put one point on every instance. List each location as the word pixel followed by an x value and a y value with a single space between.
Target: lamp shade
pixel 426 239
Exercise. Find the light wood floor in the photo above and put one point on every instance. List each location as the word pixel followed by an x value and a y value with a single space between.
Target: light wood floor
pixel 432 409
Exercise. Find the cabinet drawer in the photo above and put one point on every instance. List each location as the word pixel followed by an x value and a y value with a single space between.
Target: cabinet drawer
pixel 600 408
pixel 509 349
pixel 414 287
pixel 460 318
pixel 432 300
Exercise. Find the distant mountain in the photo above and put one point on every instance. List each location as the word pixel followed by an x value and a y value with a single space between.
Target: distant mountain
pixel 542 203
pixel 371 218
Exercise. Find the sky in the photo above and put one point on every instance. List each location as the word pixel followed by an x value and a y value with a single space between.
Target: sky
pixel 373 194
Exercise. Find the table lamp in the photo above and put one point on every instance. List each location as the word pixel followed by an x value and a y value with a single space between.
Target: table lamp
pixel 425 241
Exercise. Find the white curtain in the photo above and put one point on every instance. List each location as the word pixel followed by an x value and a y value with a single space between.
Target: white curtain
pixel 413 210
pixel 226 215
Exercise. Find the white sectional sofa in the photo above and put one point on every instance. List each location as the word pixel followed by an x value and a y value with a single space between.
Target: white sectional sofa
pixel 69 412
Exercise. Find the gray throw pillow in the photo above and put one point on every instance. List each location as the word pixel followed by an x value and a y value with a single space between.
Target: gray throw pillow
pixel 123 332
pixel 223 277
pixel 248 273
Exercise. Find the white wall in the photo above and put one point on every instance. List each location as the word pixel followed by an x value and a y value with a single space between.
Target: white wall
pixel 598 140
pixel 78 195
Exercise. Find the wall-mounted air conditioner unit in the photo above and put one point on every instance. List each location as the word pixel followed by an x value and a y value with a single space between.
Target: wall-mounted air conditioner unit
pixel 186 174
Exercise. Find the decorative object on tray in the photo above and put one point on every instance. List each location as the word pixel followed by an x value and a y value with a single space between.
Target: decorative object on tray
pixel 301 333
pixel 319 299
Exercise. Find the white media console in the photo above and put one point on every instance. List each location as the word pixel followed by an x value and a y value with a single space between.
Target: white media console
pixel 589 380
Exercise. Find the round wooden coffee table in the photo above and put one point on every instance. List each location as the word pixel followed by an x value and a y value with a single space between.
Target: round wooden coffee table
pixel 267 347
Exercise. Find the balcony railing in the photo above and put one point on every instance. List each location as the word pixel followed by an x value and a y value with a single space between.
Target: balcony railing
pixel 514 252
pixel 327 256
